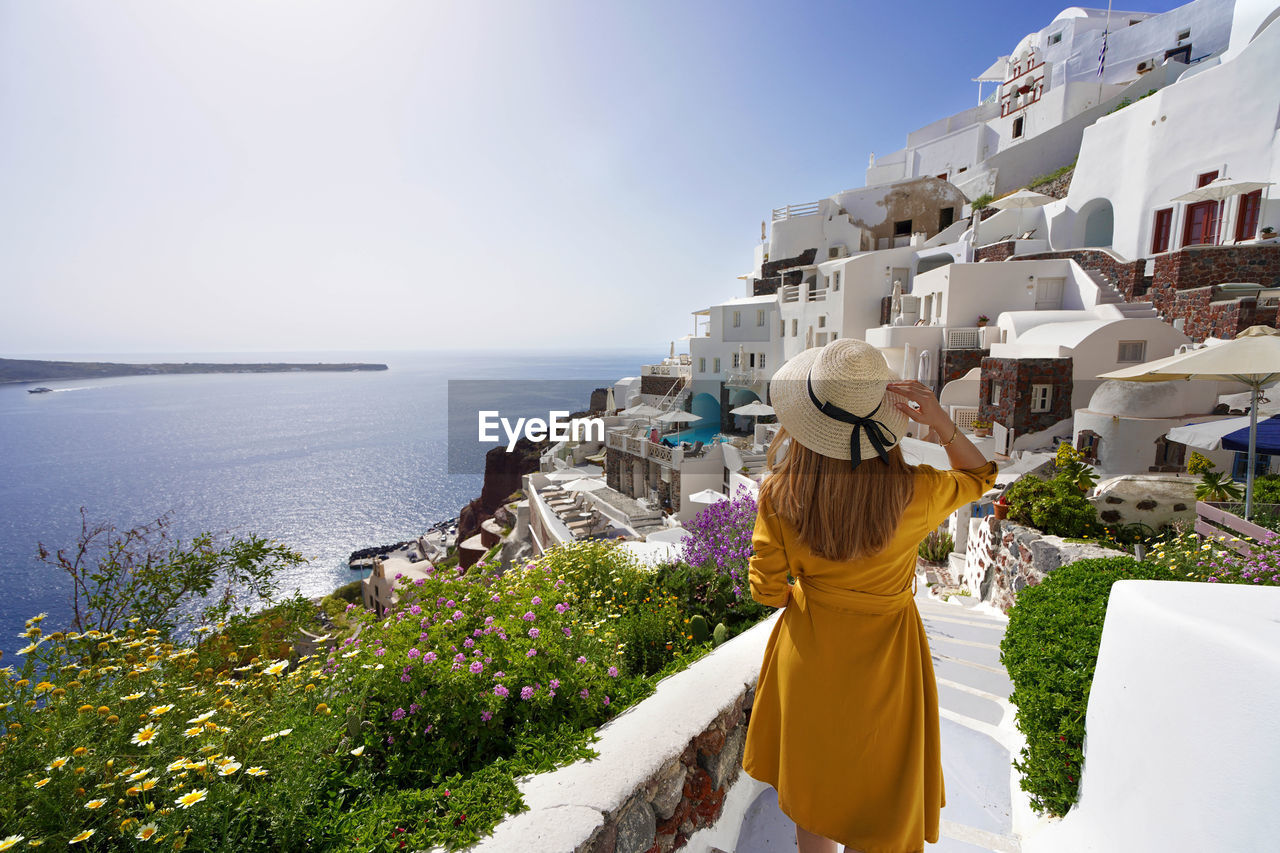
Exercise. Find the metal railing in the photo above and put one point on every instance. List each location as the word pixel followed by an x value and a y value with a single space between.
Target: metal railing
pixel 812 208
pixel 964 338
pixel 683 370
pixel 743 378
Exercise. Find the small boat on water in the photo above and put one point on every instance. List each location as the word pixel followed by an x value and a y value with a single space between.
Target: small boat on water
pixel 40 390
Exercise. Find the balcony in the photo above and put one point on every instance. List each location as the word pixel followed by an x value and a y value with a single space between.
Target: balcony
pixel 744 378
pixel 802 293
pixel 645 449
pixel 793 211
pixel 668 368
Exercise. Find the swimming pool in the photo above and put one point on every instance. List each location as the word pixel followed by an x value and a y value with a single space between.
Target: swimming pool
pixel 706 434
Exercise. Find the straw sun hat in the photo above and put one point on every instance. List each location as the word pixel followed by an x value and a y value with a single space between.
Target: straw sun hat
pixel 834 401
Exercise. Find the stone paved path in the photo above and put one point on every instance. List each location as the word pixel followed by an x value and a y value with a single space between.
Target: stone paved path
pixel 977 738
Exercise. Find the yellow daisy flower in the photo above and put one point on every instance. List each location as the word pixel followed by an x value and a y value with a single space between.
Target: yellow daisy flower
pixel 202 717
pixel 134 777
pixel 256 771
pixel 148 784
pixel 58 763
pixel 190 798
pixel 40 784
pixel 193 731
pixel 131 697
pixel 359 750
pixel 83 836
pixel 177 764
pixel 160 710
pixel 146 832
pixel 227 768
pixel 95 804
pixel 276 668
pixel 6 843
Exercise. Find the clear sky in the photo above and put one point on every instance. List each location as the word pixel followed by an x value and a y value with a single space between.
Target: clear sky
pixel 316 175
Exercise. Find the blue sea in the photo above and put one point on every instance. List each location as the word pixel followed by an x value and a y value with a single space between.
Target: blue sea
pixel 324 462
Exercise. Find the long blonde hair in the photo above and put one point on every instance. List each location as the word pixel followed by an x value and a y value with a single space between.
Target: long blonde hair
pixel 839 513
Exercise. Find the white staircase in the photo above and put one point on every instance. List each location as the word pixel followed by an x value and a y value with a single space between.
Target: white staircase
pixel 1108 295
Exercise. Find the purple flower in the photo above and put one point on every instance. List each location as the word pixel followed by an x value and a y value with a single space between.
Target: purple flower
pixel 536 601
pixel 477 667
pixel 584 693
pixel 495 598
pixel 613 672
pixel 457 615
pixel 488 620
pixel 531 653
pixel 380 652
pixel 501 692
pixel 419 581
pixel 486 716
pixel 526 693
pixel 567 632
pixel 581 659
pixel 533 633
pixel 414 654
pixel 468 643
pixel 428 657
pixel 451 603
pixel 555 682
pixel 499 674
pixel 459 658
pixel 415 708
pixel 398 714
pixel 606 700
pixel 561 607
pixel 529 617
pixel 415 610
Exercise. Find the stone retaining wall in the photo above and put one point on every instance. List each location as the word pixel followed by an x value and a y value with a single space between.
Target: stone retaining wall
pixel 664 771
pixel 1003 558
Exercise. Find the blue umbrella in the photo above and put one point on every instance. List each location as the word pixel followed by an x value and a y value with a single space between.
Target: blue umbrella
pixel 1268 440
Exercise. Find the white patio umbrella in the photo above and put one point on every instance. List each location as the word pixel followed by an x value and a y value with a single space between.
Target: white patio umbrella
pixel 1253 359
pixel 1021 200
pixel 610 403
pixel 641 410
pixel 679 416
pixel 585 484
pixel 755 409
pixel 708 496
pixel 673 349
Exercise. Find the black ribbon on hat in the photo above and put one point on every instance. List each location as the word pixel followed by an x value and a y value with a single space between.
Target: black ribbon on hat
pixel 877 433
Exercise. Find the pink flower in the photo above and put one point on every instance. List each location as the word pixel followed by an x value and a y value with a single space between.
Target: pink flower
pixel 529 617
pixel 380 652
pixel 581 659
pixel 606 700
pixel 501 692
pixel 531 653
pixel 488 620
pixel 533 633
pixel 468 642
pixel 584 693
pixel 414 654
pixel 486 716
pixel 499 674
pixel 429 656
pixel 567 632
pixel 477 667
pixel 613 672
pixel 415 610
pixel 561 607
pixel 526 693
pixel 536 601
pixel 457 615
pixel 495 598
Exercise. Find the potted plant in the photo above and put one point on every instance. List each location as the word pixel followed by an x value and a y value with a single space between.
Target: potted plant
pixel 981 429
pixel 983 320
pixel 1001 507
pixel 1268 232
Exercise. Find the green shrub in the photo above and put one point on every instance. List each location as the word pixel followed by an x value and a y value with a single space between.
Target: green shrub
pixel 1041 180
pixel 1266 489
pixel 982 201
pixel 1218 486
pixel 1200 464
pixel 936 547
pixel 1054 506
pixel 1050 649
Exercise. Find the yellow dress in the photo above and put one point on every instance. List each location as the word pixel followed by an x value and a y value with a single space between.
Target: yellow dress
pixel 845 721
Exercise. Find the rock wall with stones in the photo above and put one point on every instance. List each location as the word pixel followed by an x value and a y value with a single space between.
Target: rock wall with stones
pixel 658 386
pixel 1058 187
pixel 685 795
pixel 1153 501
pixel 957 362
pixel 1184 286
pixel 1016 376
pixel 1003 558
pixel 994 252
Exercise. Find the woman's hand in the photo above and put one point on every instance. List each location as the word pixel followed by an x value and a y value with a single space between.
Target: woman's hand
pixel 928 410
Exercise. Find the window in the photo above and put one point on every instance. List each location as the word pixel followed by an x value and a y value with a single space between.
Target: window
pixel 759 316
pixel 1206 178
pixel 1041 397
pixel 1160 231
pixel 996 388
pixel 1201 227
pixel 835 280
pixel 822 321
pixel 702 365
pixel 1056 38
pixel 715 365
pixel 946 217
pixel 1247 215
pixel 760 361
pixel 1183 35
pixel 1240 467
pixel 782 328
pixel 834 335
pixel 902 229
pixel 737 319
pixel 751 359
pixel 1132 352
pixel 1017 127
pixel 735 361
pixel 795 327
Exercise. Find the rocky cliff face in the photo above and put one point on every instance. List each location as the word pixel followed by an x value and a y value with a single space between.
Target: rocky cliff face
pixel 502 474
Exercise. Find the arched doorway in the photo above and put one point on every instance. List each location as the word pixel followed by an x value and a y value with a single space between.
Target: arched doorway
pixel 1096 223
pixel 741 397
pixel 707 408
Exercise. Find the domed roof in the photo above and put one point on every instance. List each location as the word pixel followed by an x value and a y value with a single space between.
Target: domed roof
pixel 1140 399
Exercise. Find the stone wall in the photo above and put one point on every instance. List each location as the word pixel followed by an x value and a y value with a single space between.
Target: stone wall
pixel 659 386
pixel 994 252
pixel 1128 277
pixel 1016 376
pixel 685 795
pixel 1003 558
pixel 771 269
pixel 957 362
pixel 1183 286
pixel 1058 187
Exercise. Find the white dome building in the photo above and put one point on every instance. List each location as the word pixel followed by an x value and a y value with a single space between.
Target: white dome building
pixel 1123 429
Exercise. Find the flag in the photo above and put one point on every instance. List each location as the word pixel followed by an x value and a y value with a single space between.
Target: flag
pixel 1102 54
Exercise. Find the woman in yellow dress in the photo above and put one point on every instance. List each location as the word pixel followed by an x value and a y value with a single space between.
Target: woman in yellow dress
pixel 845 720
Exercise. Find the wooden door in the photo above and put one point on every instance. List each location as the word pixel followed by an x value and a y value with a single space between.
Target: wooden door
pixel 1201 227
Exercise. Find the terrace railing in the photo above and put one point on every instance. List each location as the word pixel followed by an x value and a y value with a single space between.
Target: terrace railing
pixel 1215 519
pixel 791 211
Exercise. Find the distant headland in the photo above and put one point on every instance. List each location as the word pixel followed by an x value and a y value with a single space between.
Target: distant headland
pixel 32 370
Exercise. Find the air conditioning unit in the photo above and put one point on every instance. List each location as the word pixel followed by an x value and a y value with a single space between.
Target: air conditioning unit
pixel 835 252
pixel 1145 66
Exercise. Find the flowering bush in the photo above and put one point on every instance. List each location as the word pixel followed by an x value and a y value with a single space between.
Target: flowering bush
pixel 713 580
pixel 1213 561
pixel 410 731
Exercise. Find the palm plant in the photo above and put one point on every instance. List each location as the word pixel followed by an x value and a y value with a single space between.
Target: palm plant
pixel 1217 487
